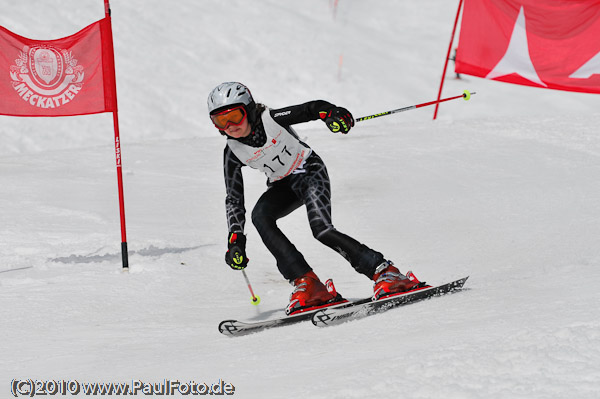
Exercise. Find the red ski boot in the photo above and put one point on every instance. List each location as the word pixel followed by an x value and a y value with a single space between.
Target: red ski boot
pixel 389 280
pixel 310 292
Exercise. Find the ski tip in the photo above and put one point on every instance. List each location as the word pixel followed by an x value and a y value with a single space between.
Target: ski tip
pixel 459 284
pixel 227 327
pixel 461 281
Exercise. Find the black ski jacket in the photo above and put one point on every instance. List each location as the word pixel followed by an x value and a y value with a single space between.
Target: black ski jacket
pixel 232 166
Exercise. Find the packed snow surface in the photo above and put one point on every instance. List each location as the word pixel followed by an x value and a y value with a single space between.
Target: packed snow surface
pixel 504 188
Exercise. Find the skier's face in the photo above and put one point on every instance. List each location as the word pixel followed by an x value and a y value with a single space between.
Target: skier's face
pixel 233 121
pixel 239 131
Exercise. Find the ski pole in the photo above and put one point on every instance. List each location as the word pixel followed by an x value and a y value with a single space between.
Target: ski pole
pixel 255 298
pixel 466 95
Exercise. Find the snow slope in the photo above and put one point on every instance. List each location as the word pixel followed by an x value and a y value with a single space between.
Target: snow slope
pixel 503 188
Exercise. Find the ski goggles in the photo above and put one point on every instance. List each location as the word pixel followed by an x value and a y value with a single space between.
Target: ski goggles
pixel 232 116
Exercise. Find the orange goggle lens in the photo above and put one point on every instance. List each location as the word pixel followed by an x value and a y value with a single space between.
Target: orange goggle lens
pixel 233 116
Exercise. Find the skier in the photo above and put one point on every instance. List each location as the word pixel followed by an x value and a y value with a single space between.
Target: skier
pixel 263 139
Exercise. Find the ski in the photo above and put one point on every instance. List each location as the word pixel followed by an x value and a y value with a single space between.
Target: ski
pixel 338 313
pixel 236 328
pixel 363 308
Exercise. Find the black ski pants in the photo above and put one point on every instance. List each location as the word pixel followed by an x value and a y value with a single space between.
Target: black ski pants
pixel 310 188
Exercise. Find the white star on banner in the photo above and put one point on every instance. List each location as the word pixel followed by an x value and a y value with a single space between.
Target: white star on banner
pixel 588 69
pixel 517 59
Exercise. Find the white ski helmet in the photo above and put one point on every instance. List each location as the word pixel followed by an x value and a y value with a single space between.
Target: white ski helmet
pixel 228 94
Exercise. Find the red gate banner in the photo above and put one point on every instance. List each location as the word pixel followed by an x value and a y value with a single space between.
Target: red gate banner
pixel 552 44
pixel 69 76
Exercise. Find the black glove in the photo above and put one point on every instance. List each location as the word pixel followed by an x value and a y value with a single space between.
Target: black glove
pixel 235 256
pixel 337 119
